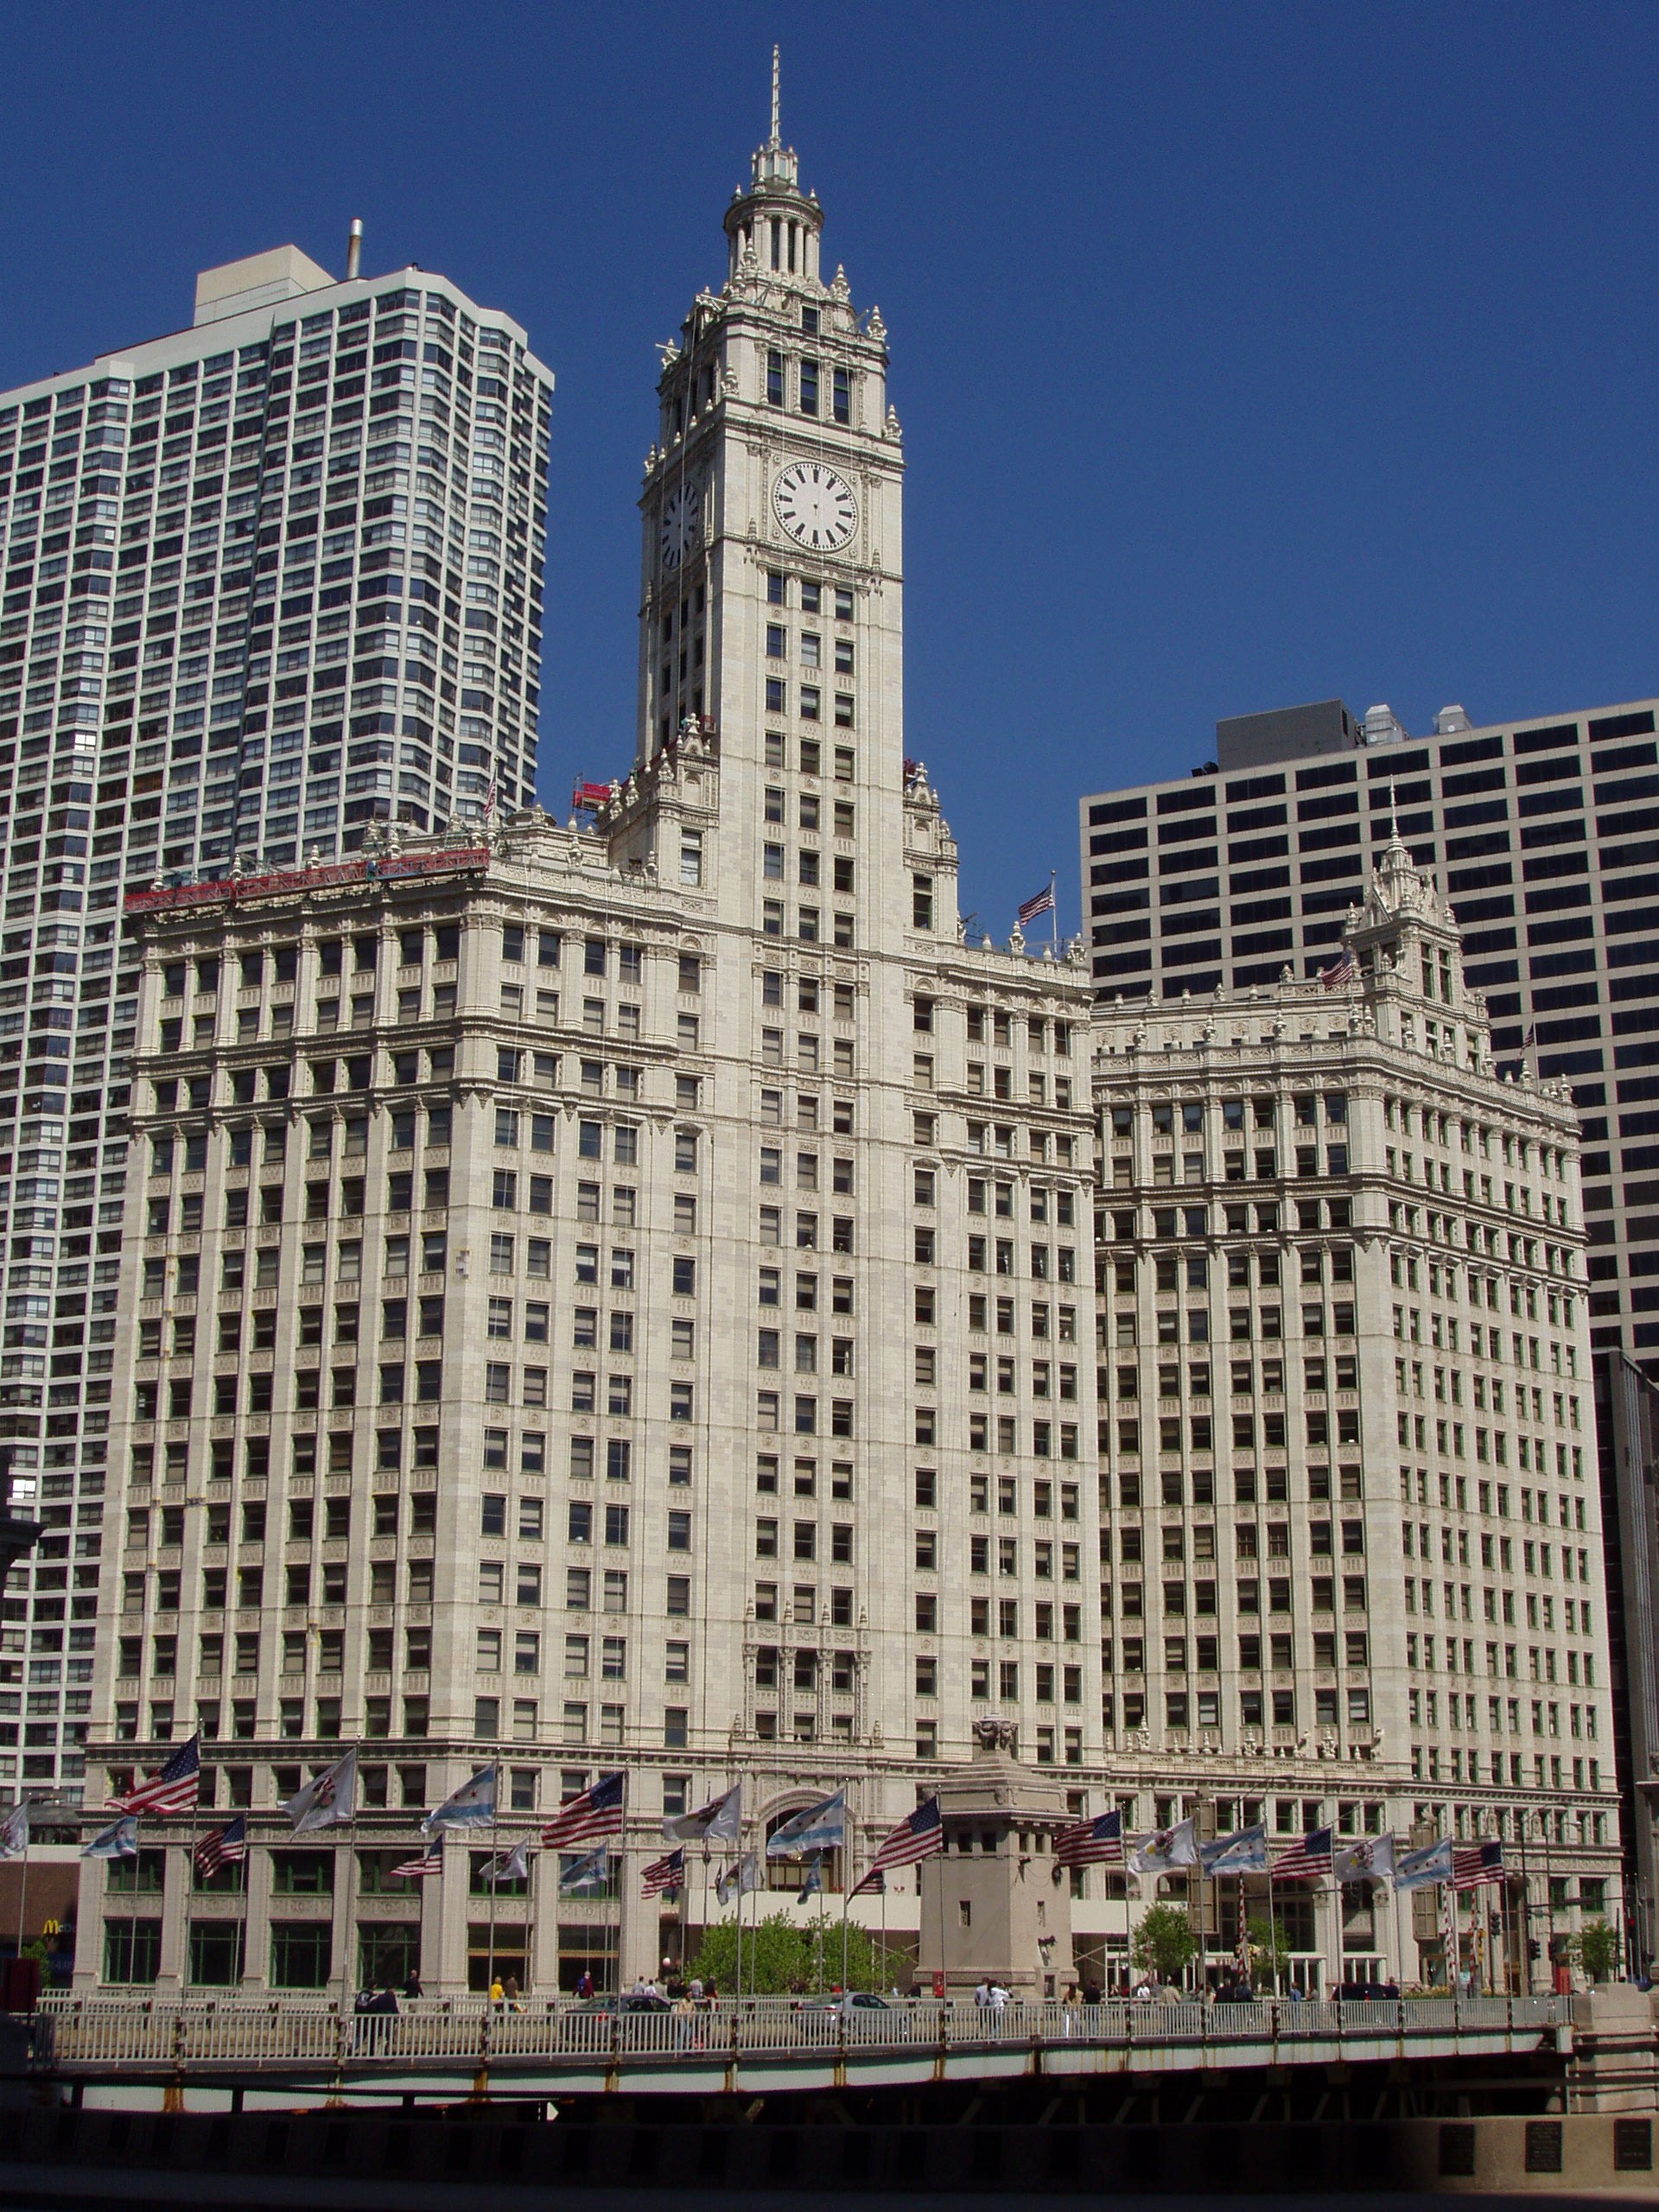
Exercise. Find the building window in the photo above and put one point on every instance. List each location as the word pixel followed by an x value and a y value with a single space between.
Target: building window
pixel 301 1954
pixel 132 1950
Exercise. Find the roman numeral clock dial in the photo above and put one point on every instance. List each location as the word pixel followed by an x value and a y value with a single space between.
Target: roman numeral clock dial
pixel 814 507
pixel 682 522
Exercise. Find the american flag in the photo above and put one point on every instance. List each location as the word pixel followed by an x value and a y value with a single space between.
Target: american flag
pixel 664 1875
pixel 417 1870
pixel 223 1847
pixel 1341 971
pixel 1305 1860
pixel 1098 1842
pixel 1478 1862
pixel 597 1811
pixel 1042 903
pixel 919 1835
pixel 172 1788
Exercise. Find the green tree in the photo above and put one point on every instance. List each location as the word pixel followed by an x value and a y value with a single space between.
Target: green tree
pixel 1597 1948
pixel 1163 1943
pixel 785 1952
pixel 1269 1949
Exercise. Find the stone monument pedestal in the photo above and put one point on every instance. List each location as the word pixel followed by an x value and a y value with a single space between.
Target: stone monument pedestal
pixel 996 1904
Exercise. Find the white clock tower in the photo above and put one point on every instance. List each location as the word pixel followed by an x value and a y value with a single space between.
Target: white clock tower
pixel 771 595
pixel 844 1051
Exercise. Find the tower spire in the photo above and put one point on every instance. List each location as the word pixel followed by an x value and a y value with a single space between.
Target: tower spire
pixel 774 219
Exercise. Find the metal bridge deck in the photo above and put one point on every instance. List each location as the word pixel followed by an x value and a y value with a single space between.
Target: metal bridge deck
pixel 205 2055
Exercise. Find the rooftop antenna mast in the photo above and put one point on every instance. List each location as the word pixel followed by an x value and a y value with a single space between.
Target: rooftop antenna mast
pixel 777 139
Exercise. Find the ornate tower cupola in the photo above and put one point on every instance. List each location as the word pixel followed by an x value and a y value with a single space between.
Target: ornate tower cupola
pixel 774 220
pixel 1409 948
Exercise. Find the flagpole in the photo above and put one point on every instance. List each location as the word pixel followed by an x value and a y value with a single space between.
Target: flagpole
pixel 686 1914
pixel 1123 1857
pixel 348 1969
pixel 754 1933
pixel 244 1867
pixel 189 1886
pixel 495 1867
pixel 1054 912
pixel 818 1947
pixel 23 1888
pixel 705 1887
pixel 845 1900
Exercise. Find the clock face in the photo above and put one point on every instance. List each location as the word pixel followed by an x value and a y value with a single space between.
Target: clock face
pixel 682 522
pixel 815 507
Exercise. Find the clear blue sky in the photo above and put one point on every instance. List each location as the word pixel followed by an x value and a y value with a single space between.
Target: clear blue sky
pixel 1246 354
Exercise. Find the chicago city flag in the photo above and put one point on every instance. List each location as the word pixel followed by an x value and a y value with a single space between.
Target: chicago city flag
pixel 819 1827
pixel 589 1873
pixel 1415 1870
pixel 1244 1852
pixel 470 1805
pixel 118 1841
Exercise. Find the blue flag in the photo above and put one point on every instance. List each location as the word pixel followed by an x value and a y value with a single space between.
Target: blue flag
pixel 1243 1853
pixel 470 1806
pixel 591 1873
pixel 1415 1870
pixel 814 1882
pixel 820 1827
pixel 118 1841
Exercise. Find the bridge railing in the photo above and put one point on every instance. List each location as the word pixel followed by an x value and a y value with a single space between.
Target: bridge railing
pixel 102 2030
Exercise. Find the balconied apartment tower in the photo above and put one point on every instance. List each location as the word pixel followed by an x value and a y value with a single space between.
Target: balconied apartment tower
pixel 269 580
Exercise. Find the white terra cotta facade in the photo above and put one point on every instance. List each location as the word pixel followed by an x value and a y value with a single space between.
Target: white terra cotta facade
pixel 624 1297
